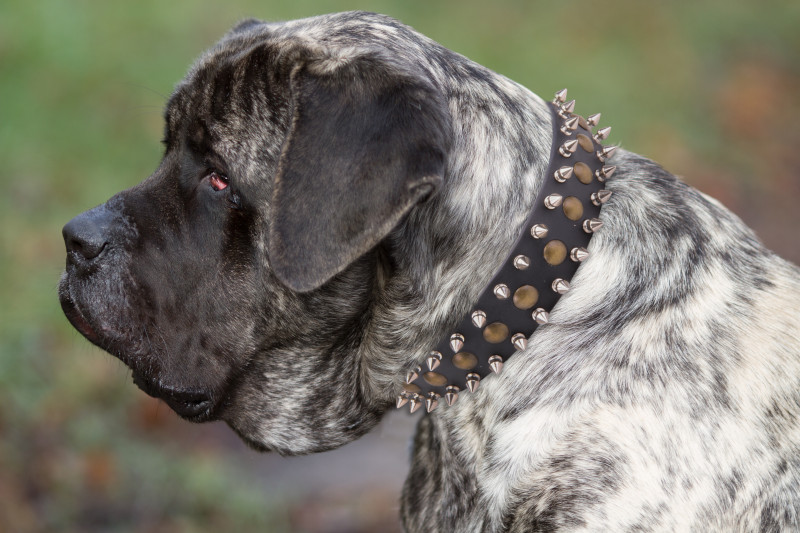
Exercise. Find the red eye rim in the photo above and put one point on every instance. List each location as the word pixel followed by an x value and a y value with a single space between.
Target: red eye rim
pixel 218 181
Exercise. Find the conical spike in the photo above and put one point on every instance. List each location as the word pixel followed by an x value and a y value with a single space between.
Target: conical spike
pixel 590 225
pixel 541 316
pixel 539 231
pixel 456 342
pixel 561 286
pixel 401 400
pixel 522 262
pixel 416 403
pixel 579 254
pixel 473 380
pixel 553 200
pixel 451 395
pixel 434 359
pixel 431 402
pixel 593 120
pixel 600 197
pixel 561 96
pixel 568 148
pixel 412 375
pixel 570 125
pixel 606 153
pixel 563 174
pixel 478 318
pixel 496 363
pixel 519 341
pixel 502 291
pixel 604 173
pixel 602 134
pixel 569 107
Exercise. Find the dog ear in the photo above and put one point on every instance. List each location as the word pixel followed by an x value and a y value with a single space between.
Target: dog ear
pixel 366 143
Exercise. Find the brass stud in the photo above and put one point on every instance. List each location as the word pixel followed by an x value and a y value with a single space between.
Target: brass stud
pixel 451 395
pixel 573 208
pixel 413 374
pixel 539 231
pixel 579 254
pixel 522 262
pixel 563 174
pixel 555 252
pixel 502 291
pixel 568 148
pixel 495 332
pixel 606 153
pixel 456 341
pixel 496 363
pixel 586 143
pixel 526 297
pixel 478 318
pixel 600 197
pixel 519 341
pixel 591 225
pixel 583 172
pixel 434 359
pixel 411 388
pixel 604 173
pixel 431 402
pixel 540 316
pixel 552 201
pixel 593 120
pixel 437 380
pixel 473 380
pixel 561 286
pixel 465 360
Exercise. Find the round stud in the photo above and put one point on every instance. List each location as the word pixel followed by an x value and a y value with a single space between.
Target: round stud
pixel 435 379
pixel 583 172
pixel 525 297
pixel 539 231
pixel 555 252
pixel 519 341
pixel 496 363
pixel 573 208
pixel 521 262
pixel 540 316
pixel 561 286
pixel 590 225
pixel 451 395
pixel 585 142
pixel 563 174
pixel 600 197
pixel 579 254
pixel 411 388
pixel 582 122
pixel 478 318
pixel 456 342
pixel 502 291
pixel 473 380
pixel 434 359
pixel 553 200
pixel 465 360
pixel 496 332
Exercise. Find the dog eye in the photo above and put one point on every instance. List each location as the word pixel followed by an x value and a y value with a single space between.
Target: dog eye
pixel 218 181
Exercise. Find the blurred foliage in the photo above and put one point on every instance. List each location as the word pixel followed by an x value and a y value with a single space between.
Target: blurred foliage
pixel 708 88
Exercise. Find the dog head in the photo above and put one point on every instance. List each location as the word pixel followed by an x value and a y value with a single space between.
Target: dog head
pixel 241 281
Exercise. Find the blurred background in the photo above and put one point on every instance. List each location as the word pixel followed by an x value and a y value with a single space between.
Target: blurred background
pixel 709 89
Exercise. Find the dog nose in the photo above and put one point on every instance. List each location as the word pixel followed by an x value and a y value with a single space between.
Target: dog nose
pixel 86 235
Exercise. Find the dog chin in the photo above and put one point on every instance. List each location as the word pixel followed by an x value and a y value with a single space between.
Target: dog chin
pixel 73 313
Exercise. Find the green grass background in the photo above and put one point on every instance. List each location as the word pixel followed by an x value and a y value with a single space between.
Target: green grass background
pixel 707 88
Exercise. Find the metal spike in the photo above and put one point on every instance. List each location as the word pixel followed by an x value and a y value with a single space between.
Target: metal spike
pixel 451 395
pixel 412 375
pixel 563 174
pixel 604 173
pixel 502 291
pixel 431 402
pixel 521 262
pixel 541 316
pixel 539 231
pixel 456 342
pixel 553 200
pixel 602 134
pixel 473 380
pixel 434 359
pixel 579 254
pixel 569 107
pixel 416 403
pixel 496 363
pixel 593 120
pixel 606 153
pixel 561 286
pixel 478 318
pixel 402 400
pixel 600 197
pixel 519 341
pixel 591 225
pixel 570 125
pixel 569 147
pixel 561 97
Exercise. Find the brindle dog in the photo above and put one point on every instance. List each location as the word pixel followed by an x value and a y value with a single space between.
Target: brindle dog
pixel 334 195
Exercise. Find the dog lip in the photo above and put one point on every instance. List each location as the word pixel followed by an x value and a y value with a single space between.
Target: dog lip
pixel 74 315
pixel 192 405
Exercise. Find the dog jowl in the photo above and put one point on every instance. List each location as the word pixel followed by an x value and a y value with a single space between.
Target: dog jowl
pixel 335 194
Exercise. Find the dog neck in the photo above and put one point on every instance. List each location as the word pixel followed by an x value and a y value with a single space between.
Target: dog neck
pixel 535 274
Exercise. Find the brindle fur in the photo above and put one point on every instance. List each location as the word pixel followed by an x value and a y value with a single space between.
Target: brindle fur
pixel 663 395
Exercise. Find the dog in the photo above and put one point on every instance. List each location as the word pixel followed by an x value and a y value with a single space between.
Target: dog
pixel 334 195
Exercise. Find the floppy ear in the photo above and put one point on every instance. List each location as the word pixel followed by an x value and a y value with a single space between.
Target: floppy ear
pixel 366 143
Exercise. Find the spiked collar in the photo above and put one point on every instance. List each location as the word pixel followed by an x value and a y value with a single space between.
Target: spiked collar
pixel 536 273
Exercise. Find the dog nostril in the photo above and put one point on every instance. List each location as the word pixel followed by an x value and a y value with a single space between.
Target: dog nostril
pixel 86 235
